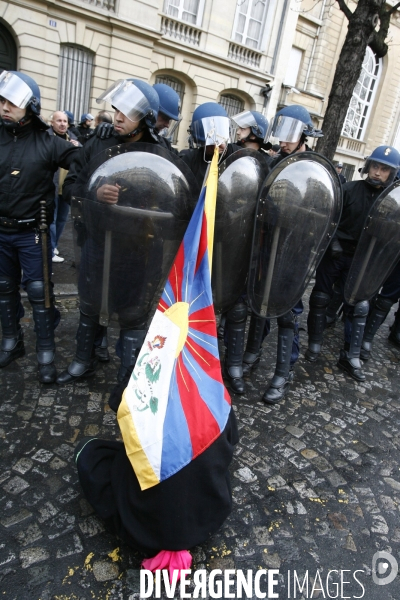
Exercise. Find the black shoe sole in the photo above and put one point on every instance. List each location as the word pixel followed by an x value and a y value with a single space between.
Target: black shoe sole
pixel 311 356
pixel 228 384
pixel 13 357
pixel 75 377
pixel 349 372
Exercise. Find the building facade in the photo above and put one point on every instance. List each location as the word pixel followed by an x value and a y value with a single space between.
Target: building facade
pixel 245 54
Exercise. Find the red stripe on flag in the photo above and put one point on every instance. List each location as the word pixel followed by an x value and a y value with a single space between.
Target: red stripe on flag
pixel 204 320
pixel 176 273
pixel 206 361
pixel 162 305
pixel 203 242
pixel 196 411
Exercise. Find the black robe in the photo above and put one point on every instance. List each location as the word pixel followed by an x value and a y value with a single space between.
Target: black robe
pixel 178 513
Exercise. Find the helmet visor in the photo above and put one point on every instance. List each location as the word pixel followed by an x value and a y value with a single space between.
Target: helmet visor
pixel 215 130
pixel 285 129
pixel 169 132
pixel 13 89
pixel 125 97
pixel 244 119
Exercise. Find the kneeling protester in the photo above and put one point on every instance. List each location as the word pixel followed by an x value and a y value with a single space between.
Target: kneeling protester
pixel 166 488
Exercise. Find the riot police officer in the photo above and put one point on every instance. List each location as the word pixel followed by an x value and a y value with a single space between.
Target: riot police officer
pixel 212 116
pixel 358 197
pixel 251 130
pixel 29 157
pixel 85 128
pixel 169 114
pixel 201 151
pixel 136 106
pixel 291 125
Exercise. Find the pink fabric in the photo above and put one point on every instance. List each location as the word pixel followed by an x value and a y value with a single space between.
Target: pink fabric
pixel 169 560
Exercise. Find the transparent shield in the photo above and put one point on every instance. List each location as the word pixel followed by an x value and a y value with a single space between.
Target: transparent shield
pixel 240 179
pixel 126 249
pixel 297 213
pixel 378 248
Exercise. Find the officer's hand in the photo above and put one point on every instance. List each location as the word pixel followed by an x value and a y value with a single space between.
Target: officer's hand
pixel 75 142
pixel 104 131
pixel 336 248
pixel 108 193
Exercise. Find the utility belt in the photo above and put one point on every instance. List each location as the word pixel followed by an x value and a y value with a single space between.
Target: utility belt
pixel 21 224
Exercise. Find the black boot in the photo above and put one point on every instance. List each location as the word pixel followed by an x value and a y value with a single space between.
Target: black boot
pixel 85 361
pixel 316 324
pixel 335 303
pixel 101 345
pixel 252 355
pixel 349 360
pixel 235 331
pixel 394 335
pixel 283 376
pixel 376 317
pixel 131 343
pixel 44 328
pixel 12 344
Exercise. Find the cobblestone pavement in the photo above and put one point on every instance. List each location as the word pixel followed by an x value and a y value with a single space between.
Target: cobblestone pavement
pixel 316 479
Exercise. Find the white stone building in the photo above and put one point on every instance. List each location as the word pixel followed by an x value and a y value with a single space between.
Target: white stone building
pixel 230 51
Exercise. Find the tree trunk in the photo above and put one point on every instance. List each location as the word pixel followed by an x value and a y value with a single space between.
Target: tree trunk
pixel 348 68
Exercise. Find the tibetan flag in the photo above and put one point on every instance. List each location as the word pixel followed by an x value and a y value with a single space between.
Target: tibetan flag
pixel 176 405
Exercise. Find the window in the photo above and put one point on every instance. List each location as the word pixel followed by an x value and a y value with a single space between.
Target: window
pixel 185 10
pixel 75 80
pixel 231 104
pixel 250 16
pixel 292 72
pixel 180 90
pixel 363 96
pixel 8 51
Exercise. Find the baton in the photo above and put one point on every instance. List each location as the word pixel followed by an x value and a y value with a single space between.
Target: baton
pixel 43 235
pixel 104 316
pixel 270 271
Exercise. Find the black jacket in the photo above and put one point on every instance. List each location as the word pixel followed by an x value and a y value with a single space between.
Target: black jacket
pixel 358 197
pixel 93 147
pixel 29 157
pixel 195 160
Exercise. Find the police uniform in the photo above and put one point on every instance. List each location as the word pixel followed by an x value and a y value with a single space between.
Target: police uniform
pixel 29 157
pixel 235 318
pixel 358 198
pixel 131 337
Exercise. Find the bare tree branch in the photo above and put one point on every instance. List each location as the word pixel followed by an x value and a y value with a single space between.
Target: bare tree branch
pixel 345 9
pixel 394 8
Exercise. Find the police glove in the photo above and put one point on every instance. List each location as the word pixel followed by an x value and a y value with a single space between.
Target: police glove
pixel 336 248
pixel 105 131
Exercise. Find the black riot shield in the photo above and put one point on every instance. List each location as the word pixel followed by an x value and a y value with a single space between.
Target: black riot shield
pixel 378 248
pixel 239 182
pixel 297 213
pixel 127 248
